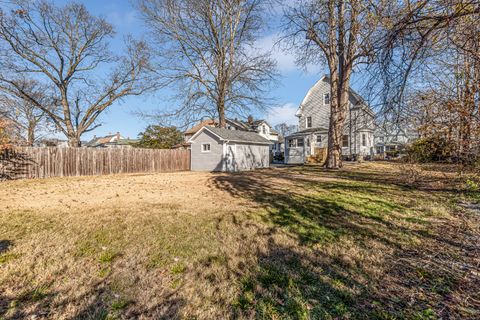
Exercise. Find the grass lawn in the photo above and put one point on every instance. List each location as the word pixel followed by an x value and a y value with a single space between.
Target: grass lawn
pixel 370 241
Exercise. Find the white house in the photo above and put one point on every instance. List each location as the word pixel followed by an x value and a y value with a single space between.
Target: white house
pixel 313 118
pixel 392 137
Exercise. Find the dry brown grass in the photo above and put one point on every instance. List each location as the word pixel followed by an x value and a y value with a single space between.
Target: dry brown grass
pixel 375 240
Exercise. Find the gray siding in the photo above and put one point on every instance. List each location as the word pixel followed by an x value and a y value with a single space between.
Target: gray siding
pixel 294 155
pixel 247 156
pixel 313 106
pixel 207 161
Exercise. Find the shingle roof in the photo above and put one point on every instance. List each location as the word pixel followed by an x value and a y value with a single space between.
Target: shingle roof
pixel 199 126
pixel 240 124
pixel 96 141
pixel 239 136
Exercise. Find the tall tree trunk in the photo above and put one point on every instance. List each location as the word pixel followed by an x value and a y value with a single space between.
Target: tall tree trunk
pixel 334 151
pixel 222 123
pixel 30 135
pixel 339 108
pixel 74 141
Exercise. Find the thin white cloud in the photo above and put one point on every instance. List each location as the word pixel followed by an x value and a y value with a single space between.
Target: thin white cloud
pixel 282 114
pixel 286 61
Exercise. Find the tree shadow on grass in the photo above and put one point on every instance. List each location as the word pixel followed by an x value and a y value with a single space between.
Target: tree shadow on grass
pixel 423 269
pixel 99 302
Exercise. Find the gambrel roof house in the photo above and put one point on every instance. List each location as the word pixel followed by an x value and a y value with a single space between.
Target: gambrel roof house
pixel 313 122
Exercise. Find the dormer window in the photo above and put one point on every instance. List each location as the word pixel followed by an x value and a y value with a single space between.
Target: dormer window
pixel 309 122
pixel 326 98
pixel 264 129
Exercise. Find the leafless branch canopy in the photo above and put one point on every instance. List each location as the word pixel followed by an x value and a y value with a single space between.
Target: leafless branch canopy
pixel 416 34
pixel 207 53
pixel 28 121
pixel 66 48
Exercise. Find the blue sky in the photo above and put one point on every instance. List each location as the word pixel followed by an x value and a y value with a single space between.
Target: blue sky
pixel 292 87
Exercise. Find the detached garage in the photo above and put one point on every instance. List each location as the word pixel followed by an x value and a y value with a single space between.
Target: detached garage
pixel 216 149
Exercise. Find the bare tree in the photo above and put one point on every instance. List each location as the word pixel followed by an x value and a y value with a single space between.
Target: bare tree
pixel 415 28
pixel 209 56
pixel 448 99
pixel 285 129
pixel 27 120
pixel 66 49
pixel 342 34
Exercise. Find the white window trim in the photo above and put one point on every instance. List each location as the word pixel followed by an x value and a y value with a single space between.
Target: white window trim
pixel 294 144
pixel 325 94
pixel 348 141
pixel 303 145
pixel 209 148
pixel 306 122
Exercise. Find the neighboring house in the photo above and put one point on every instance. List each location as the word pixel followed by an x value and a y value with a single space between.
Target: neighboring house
pixel 314 117
pixel 392 138
pixel 205 123
pixel 216 149
pixel 110 141
pixel 262 127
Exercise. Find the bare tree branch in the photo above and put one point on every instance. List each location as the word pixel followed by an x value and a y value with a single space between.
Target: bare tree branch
pixel 207 53
pixel 63 47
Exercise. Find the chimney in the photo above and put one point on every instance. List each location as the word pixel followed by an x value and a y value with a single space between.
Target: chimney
pixel 250 119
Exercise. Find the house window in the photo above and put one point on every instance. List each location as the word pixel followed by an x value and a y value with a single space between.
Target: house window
pixel 326 98
pixel 308 142
pixel 319 139
pixel 309 122
pixel 364 139
pixel 345 141
pixel 264 129
pixel 205 147
pixel 300 142
pixel 291 143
